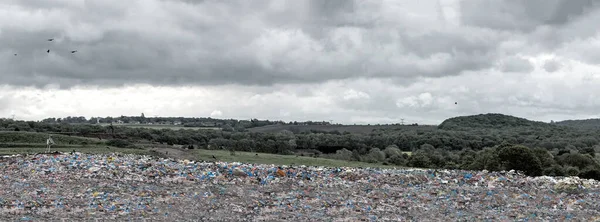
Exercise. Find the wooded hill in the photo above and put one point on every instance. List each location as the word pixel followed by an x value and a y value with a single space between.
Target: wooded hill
pixel 467 142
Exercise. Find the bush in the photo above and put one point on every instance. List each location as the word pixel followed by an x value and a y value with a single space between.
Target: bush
pixel 375 155
pixel 517 157
pixel 343 154
pixel 554 170
pixel 419 160
pixel 571 171
pixel 486 159
pixel 119 143
pixel 590 173
pixel 576 159
pixel 398 160
pixel 392 150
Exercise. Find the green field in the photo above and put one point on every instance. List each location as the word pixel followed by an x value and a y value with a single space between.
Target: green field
pixel 31 143
pixel 265 158
pixel 159 126
pixel 40 138
pixel 91 150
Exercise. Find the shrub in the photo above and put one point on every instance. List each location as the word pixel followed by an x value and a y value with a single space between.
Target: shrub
pixel 398 160
pixel 343 154
pixel 590 173
pixel 517 157
pixel 118 143
pixel 554 170
pixel 571 171
pixel 375 155
pixel 392 150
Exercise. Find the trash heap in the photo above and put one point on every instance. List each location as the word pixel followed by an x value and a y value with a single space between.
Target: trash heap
pixel 121 187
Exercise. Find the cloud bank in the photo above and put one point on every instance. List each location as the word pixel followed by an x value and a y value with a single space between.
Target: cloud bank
pixel 352 61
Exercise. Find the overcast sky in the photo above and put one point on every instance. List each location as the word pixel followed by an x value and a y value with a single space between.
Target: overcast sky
pixel 362 61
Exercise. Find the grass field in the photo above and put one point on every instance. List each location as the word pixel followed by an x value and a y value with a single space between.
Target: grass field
pixel 34 137
pixel 264 158
pixel 158 126
pixel 31 143
pixel 91 150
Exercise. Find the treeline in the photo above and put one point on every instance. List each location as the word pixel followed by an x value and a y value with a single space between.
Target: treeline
pixel 481 142
pixel 506 156
pixel 582 124
pixel 184 121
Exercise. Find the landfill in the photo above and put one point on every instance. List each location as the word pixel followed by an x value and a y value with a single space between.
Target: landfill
pixel 122 187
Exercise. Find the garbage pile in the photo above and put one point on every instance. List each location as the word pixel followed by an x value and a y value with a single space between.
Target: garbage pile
pixel 122 187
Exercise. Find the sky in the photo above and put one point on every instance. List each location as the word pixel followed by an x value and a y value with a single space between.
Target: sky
pixel 346 61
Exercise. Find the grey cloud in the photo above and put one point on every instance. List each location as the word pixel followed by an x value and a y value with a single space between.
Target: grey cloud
pixel 516 64
pixel 264 42
pixel 551 65
pixel 522 15
pixel 5 103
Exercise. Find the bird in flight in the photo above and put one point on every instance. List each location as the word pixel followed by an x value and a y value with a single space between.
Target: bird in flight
pixel 455 103
pixel 50 40
pixel 74 51
pixel 48 51
pixel 15 54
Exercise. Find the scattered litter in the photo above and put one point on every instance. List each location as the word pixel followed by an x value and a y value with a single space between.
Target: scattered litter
pixel 119 187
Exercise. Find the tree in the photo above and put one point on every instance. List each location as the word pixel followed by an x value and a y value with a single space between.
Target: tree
pixel 392 150
pixel 487 159
pixel 227 128
pixel 545 157
pixel 375 155
pixel 343 154
pixel 420 160
pixel 399 160
pixel 577 159
pixel 590 172
pixel 554 170
pixel 517 157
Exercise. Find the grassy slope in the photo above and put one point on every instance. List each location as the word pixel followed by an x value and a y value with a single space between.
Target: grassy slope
pixel 31 142
pixel 92 150
pixel 158 126
pixel 264 158
pixel 40 138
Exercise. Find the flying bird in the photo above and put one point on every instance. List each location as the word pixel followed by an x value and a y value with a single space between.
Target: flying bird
pixel 50 40
pixel 74 51
pixel 455 103
pixel 15 54
pixel 48 51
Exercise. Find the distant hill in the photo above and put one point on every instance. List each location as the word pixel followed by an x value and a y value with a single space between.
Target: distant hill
pixel 582 124
pixel 490 120
pixel 330 128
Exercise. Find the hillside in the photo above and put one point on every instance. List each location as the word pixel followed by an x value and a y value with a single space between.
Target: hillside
pixel 21 137
pixel 582 124
pixel 490 121
pixel 353 129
